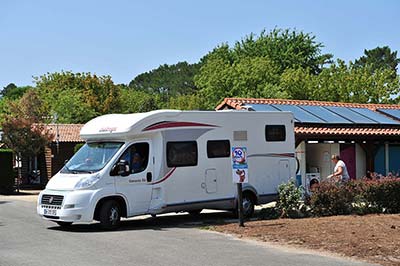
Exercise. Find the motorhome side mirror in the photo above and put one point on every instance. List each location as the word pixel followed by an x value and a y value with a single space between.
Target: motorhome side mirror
pixel 123 168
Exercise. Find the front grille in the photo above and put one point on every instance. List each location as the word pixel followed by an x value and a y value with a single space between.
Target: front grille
pixel 52 200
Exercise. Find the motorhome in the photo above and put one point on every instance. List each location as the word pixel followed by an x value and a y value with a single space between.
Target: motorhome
pixel 169 161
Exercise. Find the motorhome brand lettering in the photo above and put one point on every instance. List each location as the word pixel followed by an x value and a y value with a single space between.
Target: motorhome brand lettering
pixel 108 129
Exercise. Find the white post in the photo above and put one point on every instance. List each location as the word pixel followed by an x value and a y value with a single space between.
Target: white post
pixel 387 158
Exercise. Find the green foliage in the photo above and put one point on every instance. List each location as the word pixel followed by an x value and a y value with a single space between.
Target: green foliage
pixel 299 84
pixel 289 200
pixel 361 197
pixel 92 95
pixel 8 88
pixel 186 102
pixel 171 80
pixel 341 83
pixel 135 101
pixel 383 195
pixel 331 199
pixel 286 48
pixel 248 77
pixel 71 107
pixel 269 213
pixel 379 58
pixel 12 92
pixel 24 131
pixel 253 67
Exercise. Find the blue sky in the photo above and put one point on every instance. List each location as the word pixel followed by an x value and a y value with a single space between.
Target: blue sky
pixel 126 38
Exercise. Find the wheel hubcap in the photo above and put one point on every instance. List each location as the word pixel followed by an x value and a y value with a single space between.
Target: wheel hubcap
pixel 113 215
pixel 247 205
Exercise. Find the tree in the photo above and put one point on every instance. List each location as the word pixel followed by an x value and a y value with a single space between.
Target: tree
pixel 342 82
pixel 171 80
pixel 12 92
pixel 254 65
pixel 379 58
pixel 135 101
pixel 24 130
pixel 248 77
pixel 186 102
pixel 7 88
pixel 71 107
pixel 91 95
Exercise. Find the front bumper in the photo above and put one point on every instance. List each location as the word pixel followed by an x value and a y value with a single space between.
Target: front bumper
pixel 76 206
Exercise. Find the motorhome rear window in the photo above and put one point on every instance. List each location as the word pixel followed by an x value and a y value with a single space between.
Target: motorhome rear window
pixel 182 153
pixel 275 133
pixel 218 148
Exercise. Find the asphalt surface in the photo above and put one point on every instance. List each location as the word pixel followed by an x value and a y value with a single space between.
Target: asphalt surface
pixel 26 239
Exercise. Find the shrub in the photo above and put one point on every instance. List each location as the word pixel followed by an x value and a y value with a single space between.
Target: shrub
pixel 289 200
pixel 359 196
pixel 331 199
pixel 384 195
pixel 269 213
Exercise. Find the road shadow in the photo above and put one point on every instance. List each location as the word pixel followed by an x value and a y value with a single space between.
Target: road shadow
pixel 158 223
pixel 4 202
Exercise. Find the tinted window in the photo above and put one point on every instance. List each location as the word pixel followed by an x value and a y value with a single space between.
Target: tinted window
pixel 275 133
pixel 218 148
pixel 181 153
pixel 137 157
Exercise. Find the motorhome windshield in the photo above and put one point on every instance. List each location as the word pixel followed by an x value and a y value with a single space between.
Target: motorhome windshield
pixel 92 157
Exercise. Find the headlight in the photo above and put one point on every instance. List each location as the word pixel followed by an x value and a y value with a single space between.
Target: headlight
pixel 87 182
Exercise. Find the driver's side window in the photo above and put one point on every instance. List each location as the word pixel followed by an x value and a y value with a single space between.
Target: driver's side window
pixel 137 157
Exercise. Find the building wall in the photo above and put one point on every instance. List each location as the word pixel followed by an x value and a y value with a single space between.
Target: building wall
pixel 319 156
pixel 301 157
pixel 394 159
pixel 361 162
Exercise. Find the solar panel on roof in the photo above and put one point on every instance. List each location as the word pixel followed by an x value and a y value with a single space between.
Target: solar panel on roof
pixel 350 115
pixel 263 107
pixel 267 107
pixel 299 114
pixel 381 119
pixel 392 112
pixel 326 115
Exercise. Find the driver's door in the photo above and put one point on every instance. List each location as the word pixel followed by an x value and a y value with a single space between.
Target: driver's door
pixel 136 186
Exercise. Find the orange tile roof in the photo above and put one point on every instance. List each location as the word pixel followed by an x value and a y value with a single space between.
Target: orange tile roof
pixel 66 132
pixel 346 131
pixel 237 103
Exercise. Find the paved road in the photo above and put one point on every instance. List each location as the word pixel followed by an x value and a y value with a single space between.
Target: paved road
pixel 25 239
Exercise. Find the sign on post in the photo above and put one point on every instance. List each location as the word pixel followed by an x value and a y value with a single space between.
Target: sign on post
pixel 240 172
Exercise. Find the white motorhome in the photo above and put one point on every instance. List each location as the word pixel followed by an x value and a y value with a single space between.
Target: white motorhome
pixel 169 161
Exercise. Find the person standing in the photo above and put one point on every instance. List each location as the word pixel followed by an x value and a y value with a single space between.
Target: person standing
pixel 340 171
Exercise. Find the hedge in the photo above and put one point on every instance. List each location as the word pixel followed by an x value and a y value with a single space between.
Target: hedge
pixel 359 197
pixel 6 172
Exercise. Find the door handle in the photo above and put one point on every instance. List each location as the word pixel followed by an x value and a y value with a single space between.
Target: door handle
pixel 149 176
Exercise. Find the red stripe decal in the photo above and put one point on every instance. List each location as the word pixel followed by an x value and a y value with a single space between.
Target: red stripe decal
pixel 165 177
pixel 168 124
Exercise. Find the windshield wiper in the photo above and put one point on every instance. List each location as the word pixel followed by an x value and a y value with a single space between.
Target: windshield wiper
pixel 84 171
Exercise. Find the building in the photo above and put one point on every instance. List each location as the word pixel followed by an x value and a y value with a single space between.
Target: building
pixel 66 138
pixel 366 136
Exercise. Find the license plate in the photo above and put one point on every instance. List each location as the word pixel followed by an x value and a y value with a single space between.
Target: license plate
pixel 50 212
